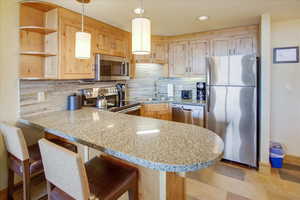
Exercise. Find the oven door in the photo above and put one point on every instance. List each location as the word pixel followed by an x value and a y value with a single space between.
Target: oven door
pixel 112 68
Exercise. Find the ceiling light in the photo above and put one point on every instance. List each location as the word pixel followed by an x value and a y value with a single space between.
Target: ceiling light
pixel 83 39
pixel 139 11
pixel 203 18
pixel 141 33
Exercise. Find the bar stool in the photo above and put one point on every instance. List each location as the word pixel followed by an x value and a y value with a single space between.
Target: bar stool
pixel 69 178
pixel 23 160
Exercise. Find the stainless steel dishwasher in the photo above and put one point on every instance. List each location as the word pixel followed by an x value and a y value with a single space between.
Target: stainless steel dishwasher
pixel 189 114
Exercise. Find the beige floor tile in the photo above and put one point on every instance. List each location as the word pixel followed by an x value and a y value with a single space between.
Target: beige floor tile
pixel 243 188
pixel 232 196
pixel 200 191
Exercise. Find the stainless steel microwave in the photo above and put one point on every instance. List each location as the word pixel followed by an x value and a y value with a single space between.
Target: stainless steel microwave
pixel 111 68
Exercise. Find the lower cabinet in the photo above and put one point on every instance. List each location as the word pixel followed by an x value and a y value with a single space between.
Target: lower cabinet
pixel 157 111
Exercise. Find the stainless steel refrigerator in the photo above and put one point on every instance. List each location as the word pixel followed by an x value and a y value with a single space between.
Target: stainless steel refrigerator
pixel 232 105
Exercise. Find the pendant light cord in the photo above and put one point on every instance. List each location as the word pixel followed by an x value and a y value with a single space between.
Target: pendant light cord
pixel 82 17
pixel 142 8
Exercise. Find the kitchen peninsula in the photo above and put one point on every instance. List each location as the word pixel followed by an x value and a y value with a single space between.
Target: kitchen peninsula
pixel 158 148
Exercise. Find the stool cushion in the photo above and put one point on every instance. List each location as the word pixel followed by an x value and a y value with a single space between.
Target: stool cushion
pixel 107 179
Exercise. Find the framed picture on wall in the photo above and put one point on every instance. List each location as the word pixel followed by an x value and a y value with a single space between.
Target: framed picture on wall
pixel 286 55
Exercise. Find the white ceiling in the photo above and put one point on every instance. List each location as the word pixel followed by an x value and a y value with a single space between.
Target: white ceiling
pixel 171 17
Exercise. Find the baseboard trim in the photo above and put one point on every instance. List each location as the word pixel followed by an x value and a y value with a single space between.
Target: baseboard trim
pixel 3 194
pixel 265 168
pixel 290 159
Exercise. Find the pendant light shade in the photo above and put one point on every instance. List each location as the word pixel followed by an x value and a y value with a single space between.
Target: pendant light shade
pixel 141 36
pixel 83 39
pixel 83 45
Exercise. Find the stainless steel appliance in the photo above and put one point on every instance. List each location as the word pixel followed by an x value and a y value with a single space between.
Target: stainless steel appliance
pixel 91 96
pixel 111 68
pixel 107 98
pixel 188 114
pixel 232 105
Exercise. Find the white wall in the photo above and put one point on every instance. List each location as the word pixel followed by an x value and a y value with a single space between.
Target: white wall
pixel 265 87
pixel 9 64
pixel 285 106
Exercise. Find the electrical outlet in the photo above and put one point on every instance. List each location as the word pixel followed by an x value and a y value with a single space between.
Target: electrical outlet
pixel 41 96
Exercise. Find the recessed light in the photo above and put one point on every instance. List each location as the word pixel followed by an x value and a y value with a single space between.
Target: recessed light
pixel 203 18
pixel 139 11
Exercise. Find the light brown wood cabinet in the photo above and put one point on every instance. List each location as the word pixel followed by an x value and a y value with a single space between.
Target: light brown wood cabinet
pixel 198 52
pixel 71 67
pixel 188 58
pixel 38 39
pixel 159 52
pixel 47 40
pixel 178 59
pixel 157 111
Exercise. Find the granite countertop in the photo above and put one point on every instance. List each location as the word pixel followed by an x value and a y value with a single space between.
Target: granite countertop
pixel 151 143
pixel 172 100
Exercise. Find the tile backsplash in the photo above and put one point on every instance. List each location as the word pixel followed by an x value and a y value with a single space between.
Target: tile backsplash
pixel 48 96
pixel 149 81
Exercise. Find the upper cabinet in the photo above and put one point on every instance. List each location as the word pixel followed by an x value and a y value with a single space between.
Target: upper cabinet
pixel 198 52
pixel 159 52
pixel 178 59
pixel 47 40
pixel 188 53
pixel 71 67
pixel 38 39
pixel 188 58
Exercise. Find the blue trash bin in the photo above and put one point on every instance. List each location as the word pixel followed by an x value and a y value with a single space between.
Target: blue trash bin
pixel 276 155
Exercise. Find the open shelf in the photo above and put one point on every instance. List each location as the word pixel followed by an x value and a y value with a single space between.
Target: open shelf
pixel 38 29
pixel 35 53
pixel 39 5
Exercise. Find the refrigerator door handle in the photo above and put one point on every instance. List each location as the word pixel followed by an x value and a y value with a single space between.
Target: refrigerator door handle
pixel 208 77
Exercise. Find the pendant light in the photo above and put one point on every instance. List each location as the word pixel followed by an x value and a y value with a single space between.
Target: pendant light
pixel 83 39
pixel 141 33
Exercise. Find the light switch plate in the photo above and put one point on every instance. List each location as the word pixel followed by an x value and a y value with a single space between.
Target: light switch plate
pixel 41 96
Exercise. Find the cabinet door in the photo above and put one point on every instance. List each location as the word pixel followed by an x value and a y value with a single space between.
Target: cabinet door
pixel 178 59
pixel 71 67
pixel 198 52
pixel 117 45
pixel 102 42
pixel 159 52
pixel 219 65
pixel 244 45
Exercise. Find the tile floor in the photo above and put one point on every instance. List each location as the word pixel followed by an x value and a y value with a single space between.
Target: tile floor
pixel 226 181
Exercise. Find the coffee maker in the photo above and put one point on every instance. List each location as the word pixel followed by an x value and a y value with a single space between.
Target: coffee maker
pixel 201 91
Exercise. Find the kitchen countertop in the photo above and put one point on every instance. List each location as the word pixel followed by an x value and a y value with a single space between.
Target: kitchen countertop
pixel 155 144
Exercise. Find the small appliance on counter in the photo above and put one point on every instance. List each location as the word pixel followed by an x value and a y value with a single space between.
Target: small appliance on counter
pixel 186 94
pixel 74 102
pixel 111 99
pixel 201 91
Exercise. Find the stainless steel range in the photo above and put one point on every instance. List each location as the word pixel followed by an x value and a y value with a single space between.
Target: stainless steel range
pixel 114 98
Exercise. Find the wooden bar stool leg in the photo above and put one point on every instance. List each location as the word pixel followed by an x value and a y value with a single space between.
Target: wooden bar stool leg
pixel 49 189
pixel 26 180
pixel 133 192
pixel 11 177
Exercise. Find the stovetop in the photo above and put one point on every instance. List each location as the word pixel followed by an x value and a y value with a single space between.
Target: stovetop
pixel 124 105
